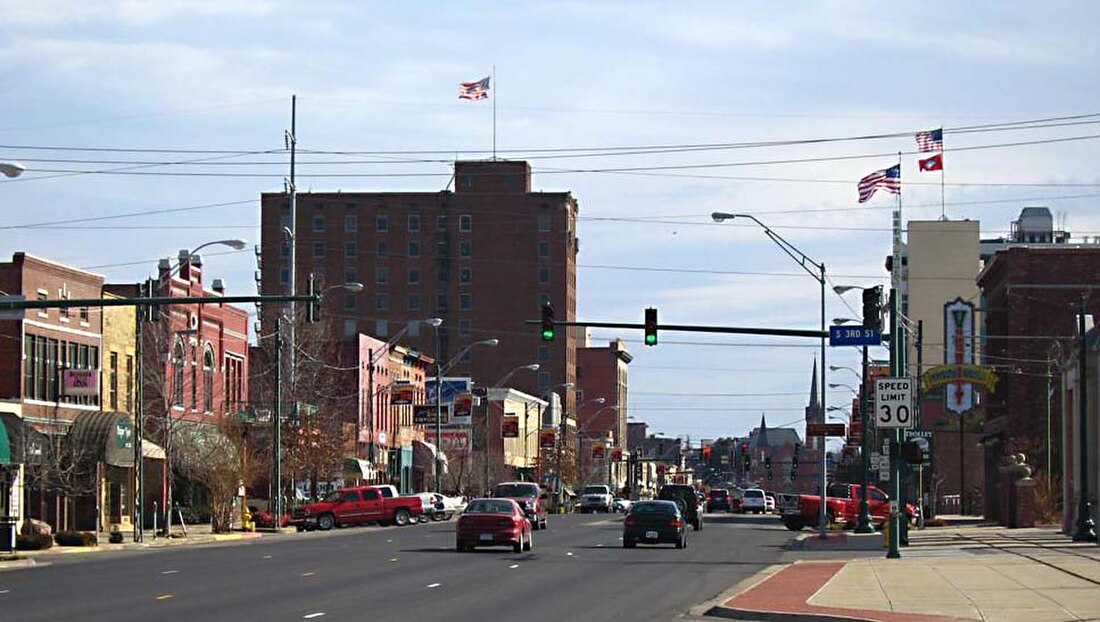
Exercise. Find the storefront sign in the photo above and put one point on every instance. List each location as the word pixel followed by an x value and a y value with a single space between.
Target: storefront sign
pixel 509 426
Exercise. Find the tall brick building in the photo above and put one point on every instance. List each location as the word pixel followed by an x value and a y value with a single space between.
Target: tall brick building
pixel 483 258
pixel 1031 297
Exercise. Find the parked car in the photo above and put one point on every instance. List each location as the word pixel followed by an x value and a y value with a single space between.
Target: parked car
pixel 841 505
pixel 493 522
pixel 754 500
pixel 623 506
pixel 529 497
pixel 357 505
pixel 447 506
pixel 718 500
pixel 264 519
pixel 653 522
pixel 596 498
pixel 769 502
pixel 691 510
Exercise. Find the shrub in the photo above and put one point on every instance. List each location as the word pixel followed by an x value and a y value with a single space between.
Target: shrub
pixel 75 538
pixel 33 542
pixel 115 537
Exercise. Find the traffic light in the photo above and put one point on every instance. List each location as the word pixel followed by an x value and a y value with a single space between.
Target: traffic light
pixel 872 308
pixel 746 461
pixel 651 326
pixel 768 463
pixel 547 322
pixel 706 454
pixel 794 456
pixel 314 312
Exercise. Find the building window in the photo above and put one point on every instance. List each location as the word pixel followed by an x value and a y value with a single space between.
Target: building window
pixel 208 381
pixel 544 250
pixel 441 222
pixel 351 275
pixel 414 302
pixel 544 276
pixel 84 314
pixel 194 379
pixel 351 250
pixel 112 381
pixel 351 223
pixel 349 328
pixel 465 223
pixel 382 223
pixel 441 302
pixel 465 248
pixel 284 276
pixel 349 302
pixel 544 379
pixel 177 374
pixel 319 250
pixel 382 275
pixel 442 276
pixel 284 250
pixel 465 301
pixel 544 223
pixel 463 275
pixel 414 249
pixel 414 223
pixel 382 301
pixel 414 276
pixel 129 383
pixel 464 328
pixel 544 353
pixel 382 251
pixel 318 224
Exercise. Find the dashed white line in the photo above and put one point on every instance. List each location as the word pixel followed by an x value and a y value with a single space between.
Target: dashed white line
pixel 435 585
pixel 570 553
pixel 169 571
pixel 266 557
pixel 308 574
pixel 310 616
pixel 5 591
pixel 514 566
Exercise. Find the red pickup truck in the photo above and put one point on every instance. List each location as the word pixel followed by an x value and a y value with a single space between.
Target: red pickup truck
pixel 358 505
pixel 841 505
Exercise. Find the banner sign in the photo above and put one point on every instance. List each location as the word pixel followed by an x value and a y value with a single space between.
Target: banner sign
pixel 923 438
pixel 454 441
pixel 617 454
pixel 943 375
pixel 80 382
pixel 463 409
pixel 402 394
pixel 598 452
pixel 548 438
pixel 509 426
pixel 958 339
pixel 424 414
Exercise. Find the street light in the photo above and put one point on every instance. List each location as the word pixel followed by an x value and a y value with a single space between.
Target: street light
pixel 11 169
pixel 817 271
pixel 439 369
pixel 840 367
pixel 838 385
pixel 507 376
pixel 863 521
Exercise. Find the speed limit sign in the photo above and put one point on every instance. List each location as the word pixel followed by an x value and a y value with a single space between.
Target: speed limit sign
pixel 894 402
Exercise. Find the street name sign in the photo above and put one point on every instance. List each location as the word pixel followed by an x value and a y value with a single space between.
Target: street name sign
pixel 854 336
pixel 894 403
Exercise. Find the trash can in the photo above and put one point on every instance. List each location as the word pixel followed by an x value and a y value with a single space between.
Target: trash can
pixel 7 534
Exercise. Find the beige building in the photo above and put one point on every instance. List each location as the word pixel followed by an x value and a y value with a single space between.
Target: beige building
pixel 119 352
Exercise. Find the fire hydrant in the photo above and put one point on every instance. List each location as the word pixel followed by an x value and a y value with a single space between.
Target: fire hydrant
pixel 886 533
pixel 246 520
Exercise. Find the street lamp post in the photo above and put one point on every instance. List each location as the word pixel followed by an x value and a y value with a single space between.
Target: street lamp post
pixel 561 440
pixel 440 369
pixel 817 271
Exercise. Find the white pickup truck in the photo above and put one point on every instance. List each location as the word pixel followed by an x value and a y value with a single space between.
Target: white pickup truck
pixel 597 498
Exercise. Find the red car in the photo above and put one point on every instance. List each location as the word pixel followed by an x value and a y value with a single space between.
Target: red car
pixel 493 522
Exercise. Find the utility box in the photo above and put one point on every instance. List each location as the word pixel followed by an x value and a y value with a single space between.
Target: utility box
pixel 7 534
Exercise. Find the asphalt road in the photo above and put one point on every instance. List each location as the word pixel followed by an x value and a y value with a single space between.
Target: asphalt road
pixel 578 570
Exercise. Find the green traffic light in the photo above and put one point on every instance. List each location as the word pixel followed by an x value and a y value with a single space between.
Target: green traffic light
pixel 650 339
pixel 547 335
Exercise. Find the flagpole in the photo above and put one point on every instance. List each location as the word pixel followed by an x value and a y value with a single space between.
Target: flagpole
pixel 494 98
pixel 943 199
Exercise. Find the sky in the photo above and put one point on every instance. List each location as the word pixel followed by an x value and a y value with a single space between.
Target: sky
pixel 150 127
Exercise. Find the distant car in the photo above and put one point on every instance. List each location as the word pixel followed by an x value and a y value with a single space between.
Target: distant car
pixel 493 522
pixel 623 505
pixel 769 502
pixel 446 507
pixel 654 522
pixel 691 509
pixel 596 498
pixel 529 497
pixel 754 500
pixel 718 500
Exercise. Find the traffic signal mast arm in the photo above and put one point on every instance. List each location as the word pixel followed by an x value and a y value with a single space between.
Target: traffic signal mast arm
pixel 16 305
pixel 782 332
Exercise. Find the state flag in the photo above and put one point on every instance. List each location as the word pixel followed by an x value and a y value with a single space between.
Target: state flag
pixel 935 163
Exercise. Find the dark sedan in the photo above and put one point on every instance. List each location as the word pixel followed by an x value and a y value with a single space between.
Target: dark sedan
pixel 654 522
pixel 493 522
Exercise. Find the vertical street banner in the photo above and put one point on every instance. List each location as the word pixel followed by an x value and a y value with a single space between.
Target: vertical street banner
pixel 598 452
pixel 509 426
pixel 463 409
pixel 958 328
pixel 402 394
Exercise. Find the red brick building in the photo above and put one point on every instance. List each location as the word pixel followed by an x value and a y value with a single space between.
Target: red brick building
pixel 602 373
pixel 483 258
pixel 1030 297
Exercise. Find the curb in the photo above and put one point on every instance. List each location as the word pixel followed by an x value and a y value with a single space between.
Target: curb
pixel 18 564
pixel 715 607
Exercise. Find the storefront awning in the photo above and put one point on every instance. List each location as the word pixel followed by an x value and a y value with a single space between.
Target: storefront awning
pixel 103 437
pixel 20 443
pixel 361 469
pixel 424 455
pixel 151 450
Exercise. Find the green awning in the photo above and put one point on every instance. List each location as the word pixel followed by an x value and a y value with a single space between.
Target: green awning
pixel 5 445
pixel 103 436
pixel 19 441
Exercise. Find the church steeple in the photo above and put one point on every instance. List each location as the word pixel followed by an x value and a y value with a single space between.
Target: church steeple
pixel 815 412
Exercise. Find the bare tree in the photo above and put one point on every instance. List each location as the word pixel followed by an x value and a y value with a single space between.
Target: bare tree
pixel 67 470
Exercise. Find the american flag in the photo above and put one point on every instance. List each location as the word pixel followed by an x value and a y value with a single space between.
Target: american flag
pixel 931 140
pixel 889 179
pixel 474 90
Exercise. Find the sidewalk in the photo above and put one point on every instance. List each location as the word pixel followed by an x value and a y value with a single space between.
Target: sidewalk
pixel 947 573
pixel 196 535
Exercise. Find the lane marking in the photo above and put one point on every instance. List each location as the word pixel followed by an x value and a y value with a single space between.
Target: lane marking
pixel 164 597
pixel 393 559
pixel 389 540
pixel 310 616
pixel 5 591
pixel 308 574
pixel 435 585
pixel 598 545
pixel 514 566
pixel 570 554
pixel 169 571
pixel 266 557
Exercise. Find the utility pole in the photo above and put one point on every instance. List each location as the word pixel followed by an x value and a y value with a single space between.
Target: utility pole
pixel 864 521
pixel 1086 529
pixel 292 143
pixel 895 460
pixel 370 407
pixel 277 426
